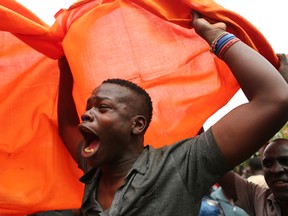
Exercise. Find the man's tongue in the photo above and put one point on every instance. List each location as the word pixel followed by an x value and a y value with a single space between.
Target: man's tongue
pixel 92 147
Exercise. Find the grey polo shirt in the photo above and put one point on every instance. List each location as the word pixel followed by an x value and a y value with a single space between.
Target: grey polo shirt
pixel 164 181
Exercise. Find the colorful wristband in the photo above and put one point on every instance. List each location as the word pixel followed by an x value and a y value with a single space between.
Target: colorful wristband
pixel 222 43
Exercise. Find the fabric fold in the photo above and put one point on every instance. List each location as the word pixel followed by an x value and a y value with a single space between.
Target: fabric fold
pixel 150 42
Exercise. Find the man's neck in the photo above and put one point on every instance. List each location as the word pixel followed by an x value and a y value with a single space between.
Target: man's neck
pixel 112 178
pixel 112 173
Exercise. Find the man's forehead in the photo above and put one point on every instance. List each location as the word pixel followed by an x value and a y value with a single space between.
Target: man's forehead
pixel 108 87
pixel 278 148
pixel 110 90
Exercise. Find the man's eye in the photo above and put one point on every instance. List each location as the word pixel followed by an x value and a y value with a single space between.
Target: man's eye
pixel 102 107
pixel 283 161
pixel 267 163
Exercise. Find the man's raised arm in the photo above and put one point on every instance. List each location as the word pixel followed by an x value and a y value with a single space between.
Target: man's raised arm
pixel 243 130
pixel 68 119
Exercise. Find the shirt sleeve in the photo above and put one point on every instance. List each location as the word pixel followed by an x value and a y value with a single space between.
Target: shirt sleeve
pixel 200 163
pixel 250 196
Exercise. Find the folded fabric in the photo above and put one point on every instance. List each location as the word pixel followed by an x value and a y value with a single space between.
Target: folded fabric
pixel 151 43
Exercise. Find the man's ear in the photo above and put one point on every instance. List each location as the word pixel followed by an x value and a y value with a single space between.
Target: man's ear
pixel 139 124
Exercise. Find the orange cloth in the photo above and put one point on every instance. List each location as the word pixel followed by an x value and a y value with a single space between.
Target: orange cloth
pixel 148 42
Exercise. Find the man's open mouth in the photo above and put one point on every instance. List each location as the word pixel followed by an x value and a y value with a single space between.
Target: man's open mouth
pixel 91 141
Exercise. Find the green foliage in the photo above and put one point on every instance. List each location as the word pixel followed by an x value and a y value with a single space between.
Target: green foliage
pixel 283 133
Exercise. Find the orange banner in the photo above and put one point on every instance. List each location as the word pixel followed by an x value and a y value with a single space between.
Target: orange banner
pixel 148 42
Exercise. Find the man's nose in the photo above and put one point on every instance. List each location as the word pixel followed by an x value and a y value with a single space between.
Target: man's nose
pixel 87 116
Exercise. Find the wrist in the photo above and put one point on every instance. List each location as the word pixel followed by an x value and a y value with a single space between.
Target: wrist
pixel 222 43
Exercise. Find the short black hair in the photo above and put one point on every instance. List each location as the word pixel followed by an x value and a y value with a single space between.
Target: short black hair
pixel 138 90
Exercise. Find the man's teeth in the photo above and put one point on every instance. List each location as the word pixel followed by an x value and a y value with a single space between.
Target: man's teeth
pixel 88 150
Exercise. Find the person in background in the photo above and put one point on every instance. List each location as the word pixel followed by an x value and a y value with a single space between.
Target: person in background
pixel 210 207
pixel 257 200
pixel 226 202
pixel 124 177
pixel 256 172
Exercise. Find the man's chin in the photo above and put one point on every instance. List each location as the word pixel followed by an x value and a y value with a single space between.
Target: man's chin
pixel 93 162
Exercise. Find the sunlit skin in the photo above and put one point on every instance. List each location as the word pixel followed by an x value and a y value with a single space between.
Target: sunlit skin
pixel 275 166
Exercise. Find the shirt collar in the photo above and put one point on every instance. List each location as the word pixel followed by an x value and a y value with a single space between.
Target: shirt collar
pixel 142 163
pixel 90 175
pixel 273 203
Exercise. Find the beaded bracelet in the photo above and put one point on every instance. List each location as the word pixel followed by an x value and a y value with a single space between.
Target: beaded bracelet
pixel 222 43
pixel 214 42
pixel 227 46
